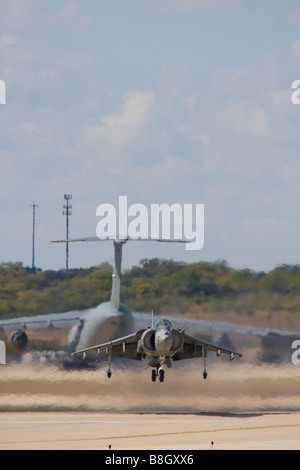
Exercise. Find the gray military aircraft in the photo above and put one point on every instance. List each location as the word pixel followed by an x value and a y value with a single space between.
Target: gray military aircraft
pixel 160 344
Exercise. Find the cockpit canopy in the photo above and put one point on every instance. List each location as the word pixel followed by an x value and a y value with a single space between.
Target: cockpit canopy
pixel 163 324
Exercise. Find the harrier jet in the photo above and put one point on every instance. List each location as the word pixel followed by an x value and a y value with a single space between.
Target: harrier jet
pixel 161 344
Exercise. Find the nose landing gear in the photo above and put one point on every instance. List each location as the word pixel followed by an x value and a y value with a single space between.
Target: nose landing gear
pixel 160 373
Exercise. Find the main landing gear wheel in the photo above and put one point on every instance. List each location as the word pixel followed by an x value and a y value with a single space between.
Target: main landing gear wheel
pixel 154 375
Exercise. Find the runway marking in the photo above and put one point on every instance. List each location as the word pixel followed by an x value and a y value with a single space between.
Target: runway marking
pixel 216 444
pixel 246 428
pixel 99 421
pixel 110 438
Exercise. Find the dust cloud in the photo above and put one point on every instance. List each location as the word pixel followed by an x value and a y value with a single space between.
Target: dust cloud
pixel 229 388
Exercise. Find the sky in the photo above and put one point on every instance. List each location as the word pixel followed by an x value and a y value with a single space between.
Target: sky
pixel 162 101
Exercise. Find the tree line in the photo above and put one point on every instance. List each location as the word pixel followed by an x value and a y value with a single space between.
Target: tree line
pixel 164 285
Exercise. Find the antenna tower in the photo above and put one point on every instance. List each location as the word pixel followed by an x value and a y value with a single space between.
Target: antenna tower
pixel 33 236
pixel 67 212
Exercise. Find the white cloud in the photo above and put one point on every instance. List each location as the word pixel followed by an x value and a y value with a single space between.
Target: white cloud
pixel 241 117
pixel 114 132
pixel 203 139
pixel 34 131
pixel 171 79
pixel 252 82
pixel 7 40
pixel 296 47
pixel 17 13
pixel 191 102
pixel 192 6
pixel 67 11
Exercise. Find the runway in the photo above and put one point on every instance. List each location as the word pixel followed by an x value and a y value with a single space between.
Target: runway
pixel 92 430
pixel 239 406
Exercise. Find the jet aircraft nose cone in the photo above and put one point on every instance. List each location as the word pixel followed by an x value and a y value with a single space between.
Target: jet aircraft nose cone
pixel 163 342
pixel 167 335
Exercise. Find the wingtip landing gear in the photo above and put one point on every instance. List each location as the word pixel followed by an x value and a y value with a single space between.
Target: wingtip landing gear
pixel 205 371
pixel 109 362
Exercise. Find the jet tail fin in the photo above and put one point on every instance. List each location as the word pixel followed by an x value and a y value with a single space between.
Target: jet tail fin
pixel 116 283
pixel 118 245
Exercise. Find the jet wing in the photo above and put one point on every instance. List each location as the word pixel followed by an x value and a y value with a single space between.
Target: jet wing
pixel 195 347
pixel 56 320
pixel 126 347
